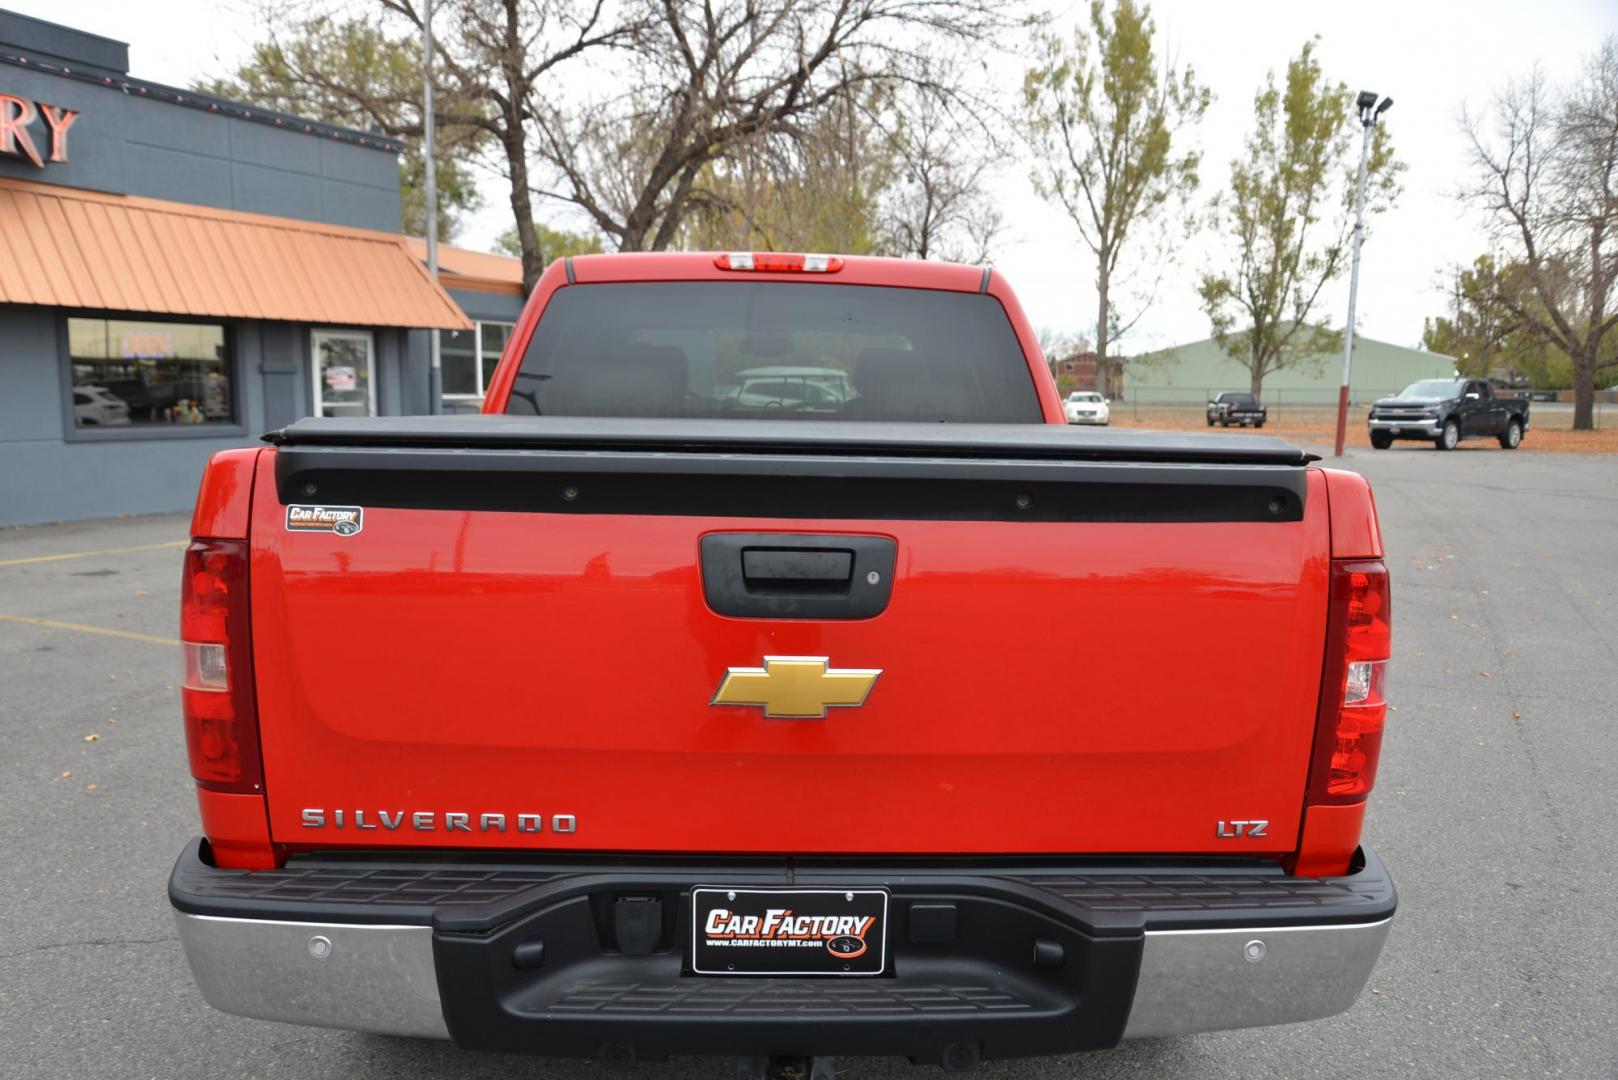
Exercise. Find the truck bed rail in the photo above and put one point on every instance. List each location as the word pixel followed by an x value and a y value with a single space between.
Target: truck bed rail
pixel 789 437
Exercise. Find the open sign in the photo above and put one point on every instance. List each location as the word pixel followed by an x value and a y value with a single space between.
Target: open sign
pixel 145 345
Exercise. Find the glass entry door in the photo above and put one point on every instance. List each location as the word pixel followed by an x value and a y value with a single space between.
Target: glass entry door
pixel 345 376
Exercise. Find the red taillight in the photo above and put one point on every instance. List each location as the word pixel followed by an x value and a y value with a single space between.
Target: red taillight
pixel 216 695
pixel 1359 641
pixel 779 263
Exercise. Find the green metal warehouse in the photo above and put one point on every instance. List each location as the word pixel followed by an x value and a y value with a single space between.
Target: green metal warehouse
pixel 1195 372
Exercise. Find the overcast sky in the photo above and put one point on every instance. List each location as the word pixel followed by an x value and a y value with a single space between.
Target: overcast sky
pixel 1430 57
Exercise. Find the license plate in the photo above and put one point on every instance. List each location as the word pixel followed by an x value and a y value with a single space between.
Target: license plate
pixel 788 931
pixel 1393 431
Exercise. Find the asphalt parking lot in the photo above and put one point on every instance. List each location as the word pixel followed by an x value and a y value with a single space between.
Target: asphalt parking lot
pixel 1495 811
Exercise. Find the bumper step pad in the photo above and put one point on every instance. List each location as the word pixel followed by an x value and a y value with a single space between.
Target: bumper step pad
pixel 474 895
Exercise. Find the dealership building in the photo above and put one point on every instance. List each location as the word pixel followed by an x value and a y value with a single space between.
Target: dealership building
pixel 180 273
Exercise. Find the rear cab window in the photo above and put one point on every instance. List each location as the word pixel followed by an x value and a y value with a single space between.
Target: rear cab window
pixel 774 350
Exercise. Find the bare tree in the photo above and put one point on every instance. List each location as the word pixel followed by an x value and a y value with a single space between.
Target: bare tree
pixel 1547 172
pixel 630 112
pixel 1056 343
pixel 937 204
pixel 707 77
pixel 496 57
pixel 898 169
pixel 493 59
pixel 816 191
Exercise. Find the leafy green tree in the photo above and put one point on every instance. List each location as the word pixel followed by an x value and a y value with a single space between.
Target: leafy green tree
pixel 1286 220
pixel 1106 121
pixel 313 71
pixel 553 243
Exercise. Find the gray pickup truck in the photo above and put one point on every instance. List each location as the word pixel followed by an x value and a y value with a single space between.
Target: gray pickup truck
pixel 1445 411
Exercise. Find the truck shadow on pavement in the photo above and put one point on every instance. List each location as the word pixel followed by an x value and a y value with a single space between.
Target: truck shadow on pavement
pixel 361 1055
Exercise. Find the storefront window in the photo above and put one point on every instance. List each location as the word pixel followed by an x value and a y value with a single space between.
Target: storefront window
pixel 492 338
pixel 128 372
pixel 458 350
pixel 469 358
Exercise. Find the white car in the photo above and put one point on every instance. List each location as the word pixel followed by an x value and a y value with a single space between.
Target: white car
pixel 1087 407
pixel 96 406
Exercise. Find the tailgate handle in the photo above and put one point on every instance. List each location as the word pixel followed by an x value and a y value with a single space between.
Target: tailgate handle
pixel 807 570
pixel 797 575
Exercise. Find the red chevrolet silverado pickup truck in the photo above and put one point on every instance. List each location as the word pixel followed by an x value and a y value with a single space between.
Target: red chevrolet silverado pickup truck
pixel 709 694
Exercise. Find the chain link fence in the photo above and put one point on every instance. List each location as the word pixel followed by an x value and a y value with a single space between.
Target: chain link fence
pixel 1311 400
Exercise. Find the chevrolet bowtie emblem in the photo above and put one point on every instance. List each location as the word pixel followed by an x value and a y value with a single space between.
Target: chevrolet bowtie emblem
pixel 796 687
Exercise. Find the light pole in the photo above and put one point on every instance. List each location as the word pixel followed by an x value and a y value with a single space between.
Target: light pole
pixel 435 357
pixel 1370 113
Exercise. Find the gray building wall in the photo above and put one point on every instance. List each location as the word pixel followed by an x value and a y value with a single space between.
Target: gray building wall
pixel 132 138
pixel 63 44
pixel 135 143
pixel 50 471
pixel 492 307
pixel 45 476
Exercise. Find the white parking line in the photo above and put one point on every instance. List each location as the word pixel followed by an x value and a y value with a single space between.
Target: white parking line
pixel 56 624
pixel 89 554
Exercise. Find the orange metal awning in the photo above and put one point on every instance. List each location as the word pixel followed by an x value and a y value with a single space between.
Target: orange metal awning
pixel 475 271
pixel 81 249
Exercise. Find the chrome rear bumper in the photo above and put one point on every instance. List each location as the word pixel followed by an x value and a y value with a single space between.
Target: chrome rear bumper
pixel 362 978
pixel 382 978
pixel 1041 960
pixel 1210 980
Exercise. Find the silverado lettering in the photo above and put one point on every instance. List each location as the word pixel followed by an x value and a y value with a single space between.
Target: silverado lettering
pixel 776 569
pixel 428 820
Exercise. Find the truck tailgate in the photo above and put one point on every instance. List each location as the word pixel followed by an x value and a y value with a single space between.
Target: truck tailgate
pixel 1090 644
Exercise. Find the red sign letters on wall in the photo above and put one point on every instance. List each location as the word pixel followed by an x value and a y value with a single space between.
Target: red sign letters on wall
pixel 16 114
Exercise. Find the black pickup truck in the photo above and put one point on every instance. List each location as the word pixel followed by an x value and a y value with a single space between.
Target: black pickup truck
pixel 1445 411
pixel 1233 407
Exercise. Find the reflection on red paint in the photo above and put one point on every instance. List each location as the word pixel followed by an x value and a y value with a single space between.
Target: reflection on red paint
pixel 1037 679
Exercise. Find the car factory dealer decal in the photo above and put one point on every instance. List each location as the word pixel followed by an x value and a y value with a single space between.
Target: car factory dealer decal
pixel 340 520
pixel 788 931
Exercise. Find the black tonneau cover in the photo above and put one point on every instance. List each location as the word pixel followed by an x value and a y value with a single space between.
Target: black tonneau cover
pixel 809 437
pixel 787 469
